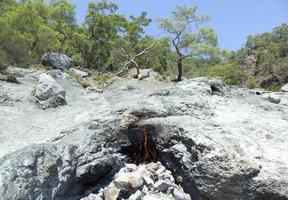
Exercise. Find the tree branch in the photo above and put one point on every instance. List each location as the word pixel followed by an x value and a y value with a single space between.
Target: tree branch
pixel 131 59
pixel 144 51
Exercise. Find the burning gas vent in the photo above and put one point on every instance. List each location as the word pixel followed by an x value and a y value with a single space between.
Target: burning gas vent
pixel 142 144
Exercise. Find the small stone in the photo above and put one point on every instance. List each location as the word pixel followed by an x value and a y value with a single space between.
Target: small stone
pixel 29 162
pixel 127 120
pixel 136 196
pixel 161 170
pixel 163 185
pixel 158 196
pixel 128 88
pixel 111 193
pixel 145 189
pixel 179 179
pixel 165 175
pixel 148 180
pixel 284 88
pixel 179 195
pixel 151 166
pixel 92 197
pixel 94 89
pixel 170 190
pixel 131 167
pixel 273 98
pixel 131 180
pixel 171 178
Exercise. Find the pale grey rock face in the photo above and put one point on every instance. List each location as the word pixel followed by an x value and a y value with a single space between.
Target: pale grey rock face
pixel 284 88
pixel 219 142
pixel 57 60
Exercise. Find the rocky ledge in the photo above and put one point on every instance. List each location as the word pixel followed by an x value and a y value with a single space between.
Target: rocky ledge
pixel 214 141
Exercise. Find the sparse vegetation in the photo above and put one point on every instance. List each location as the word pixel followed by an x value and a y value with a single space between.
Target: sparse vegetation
pixel 82 81
pixel 232 74
pixel 265 56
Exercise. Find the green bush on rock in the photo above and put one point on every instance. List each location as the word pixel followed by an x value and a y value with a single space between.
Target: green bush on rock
pixel 232 74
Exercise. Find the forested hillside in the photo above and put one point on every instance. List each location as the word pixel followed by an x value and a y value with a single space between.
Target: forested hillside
pixel 31 28
pixel 109 42
pixel 265 56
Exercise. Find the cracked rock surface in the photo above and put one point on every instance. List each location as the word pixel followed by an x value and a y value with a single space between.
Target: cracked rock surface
pixel 218 142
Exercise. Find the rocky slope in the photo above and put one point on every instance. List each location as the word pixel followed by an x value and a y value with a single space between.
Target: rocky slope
pixel 219 142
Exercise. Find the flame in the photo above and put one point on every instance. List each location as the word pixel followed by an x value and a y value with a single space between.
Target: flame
pixel 146 151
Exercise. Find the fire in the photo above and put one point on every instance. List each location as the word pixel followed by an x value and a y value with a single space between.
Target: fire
pixel 147 151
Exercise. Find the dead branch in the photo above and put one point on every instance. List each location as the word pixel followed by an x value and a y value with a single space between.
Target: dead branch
pixel 131 59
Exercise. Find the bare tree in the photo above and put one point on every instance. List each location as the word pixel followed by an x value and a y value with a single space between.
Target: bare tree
pixel 131 59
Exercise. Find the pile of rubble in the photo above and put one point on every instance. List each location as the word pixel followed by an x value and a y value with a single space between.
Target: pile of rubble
pixel 147 181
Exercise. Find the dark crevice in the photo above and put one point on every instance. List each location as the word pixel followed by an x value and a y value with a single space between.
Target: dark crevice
pixel 142 145
pixel 216 90
pixel 161 140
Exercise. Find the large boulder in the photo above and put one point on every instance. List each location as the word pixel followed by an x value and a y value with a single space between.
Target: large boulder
pixel 57 60
pixel 49 93
pixel 284 88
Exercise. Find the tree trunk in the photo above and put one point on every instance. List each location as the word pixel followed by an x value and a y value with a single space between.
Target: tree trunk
pixel 138 71
pixel 179 64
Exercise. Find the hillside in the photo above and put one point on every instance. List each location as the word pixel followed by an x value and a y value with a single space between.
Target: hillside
pixel 265 57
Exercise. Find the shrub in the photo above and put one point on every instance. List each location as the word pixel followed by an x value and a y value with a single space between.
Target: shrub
pixel 274 87
pixel 82 81
pixel 102 78
pixel 232 74
pixel 251 83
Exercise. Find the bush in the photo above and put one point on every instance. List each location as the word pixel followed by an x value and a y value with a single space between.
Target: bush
pixel 102 78
pixel 82 81
pixel 251 83
pixel 232 74
pixel 274 87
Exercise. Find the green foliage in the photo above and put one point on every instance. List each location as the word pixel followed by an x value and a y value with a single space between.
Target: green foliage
pixel 251 82
pixel 102 78
pixel 82 81
pixel 274 87
pixel 270 51
pixel 31 28
pixel 199 44
pixel 232 74
pixel 103 24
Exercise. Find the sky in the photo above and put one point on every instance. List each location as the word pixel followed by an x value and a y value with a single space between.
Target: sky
pixel 233 20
